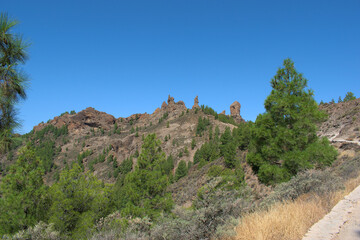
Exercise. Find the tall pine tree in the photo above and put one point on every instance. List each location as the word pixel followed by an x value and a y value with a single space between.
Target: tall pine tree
pixel 284 139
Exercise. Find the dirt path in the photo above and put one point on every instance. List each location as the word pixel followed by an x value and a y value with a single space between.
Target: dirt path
pixel 335 138
pixel 342 223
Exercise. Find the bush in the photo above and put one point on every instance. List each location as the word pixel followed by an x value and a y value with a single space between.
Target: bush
pixel 203 123
pixel 208 152
pixel 193 144
pixel 311 181
pixel 349 168
pixel 40 231
pixel 215 171
pixel 181 170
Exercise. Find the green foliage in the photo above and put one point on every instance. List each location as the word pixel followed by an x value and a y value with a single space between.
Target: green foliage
pixel 193 144
pixel 340 100
pixel 284 137
pixel 180 155
pixel 310 181
pixel 186 151
pixel 181 170
pixel 81 157
pixel 168 165
pixel 79 199
pixel 164 116
pixel 228 148
pixel 143 191
pixel 215 171
pixel 190 164
pixel 226 119
pixel 221 117
pixel 46 152
pixel 208 110
pixel 203 123
pixel 126 166
pixel 23 194
pixel 116 130
pixel 50 131
pixel 242 135
pixel 208 152
pixel 12 79
pixel 349 96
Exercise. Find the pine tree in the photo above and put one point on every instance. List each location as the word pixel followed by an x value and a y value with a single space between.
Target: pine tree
pixel 349 96
pixel 284 136
pixel 181 170
pixel 228 148
pixel 12 80
pixel 23 193
pixel 143 191
pixel 79 199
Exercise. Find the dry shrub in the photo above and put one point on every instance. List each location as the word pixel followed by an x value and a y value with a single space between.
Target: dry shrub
pixel 288 220
pixel 314 182
pixel 291 219
pixel 41 231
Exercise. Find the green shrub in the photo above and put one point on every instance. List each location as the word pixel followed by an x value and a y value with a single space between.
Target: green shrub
pixel 193 144
pixel 203 123
pixel 215 171
pixel 181 170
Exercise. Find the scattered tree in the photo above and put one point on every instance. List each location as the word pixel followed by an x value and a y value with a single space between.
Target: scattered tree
pixel 349 96
pixel 181 170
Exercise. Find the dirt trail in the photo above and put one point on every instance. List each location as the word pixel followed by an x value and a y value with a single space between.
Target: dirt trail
pixel 336 134
pixel 342 223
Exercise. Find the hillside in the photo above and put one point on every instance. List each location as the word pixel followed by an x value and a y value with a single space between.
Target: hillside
pixel 101 144
pixel 107 137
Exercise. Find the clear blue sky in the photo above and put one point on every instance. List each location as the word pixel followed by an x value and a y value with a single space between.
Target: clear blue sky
pixel 125 57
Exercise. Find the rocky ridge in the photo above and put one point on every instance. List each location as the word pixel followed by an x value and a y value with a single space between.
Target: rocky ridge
pixel 91 130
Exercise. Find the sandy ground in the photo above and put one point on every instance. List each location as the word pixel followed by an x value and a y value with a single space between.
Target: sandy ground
pixel 342 223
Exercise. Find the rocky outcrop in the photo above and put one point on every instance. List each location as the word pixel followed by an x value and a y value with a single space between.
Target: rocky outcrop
pixel 172 106
pixel 343 121
pixel 235 111
pixel 170 100
pixel 86 118
pixel 196 103
pixel 157 111
pixel 223 112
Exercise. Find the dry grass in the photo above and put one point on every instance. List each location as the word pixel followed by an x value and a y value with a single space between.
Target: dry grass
pixel 291 219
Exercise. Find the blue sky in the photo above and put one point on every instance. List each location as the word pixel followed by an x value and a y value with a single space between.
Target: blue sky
pixel 125 57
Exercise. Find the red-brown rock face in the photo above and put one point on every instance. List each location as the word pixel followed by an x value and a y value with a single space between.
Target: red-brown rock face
pixel 196 103
pixel 235 111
